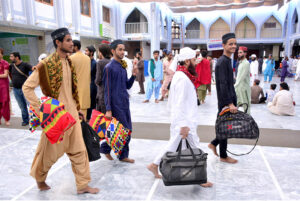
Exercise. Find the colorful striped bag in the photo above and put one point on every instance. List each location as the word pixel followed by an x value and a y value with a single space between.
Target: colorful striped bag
pixel 115 134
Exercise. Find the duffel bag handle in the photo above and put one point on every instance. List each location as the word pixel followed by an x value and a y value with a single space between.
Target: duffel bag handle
pixel 179 148
pixel 242 104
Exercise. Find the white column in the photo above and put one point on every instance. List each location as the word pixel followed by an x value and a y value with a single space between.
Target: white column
pixel 60 14
pixel 169 32
pixel 154 27
pixel 232 24
pixel 30 12
pixel 6 9
pixel 288 47
pixel 76 18
pixel 94 17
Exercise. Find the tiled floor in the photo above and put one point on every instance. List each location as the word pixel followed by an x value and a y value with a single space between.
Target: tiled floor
pixel 268 173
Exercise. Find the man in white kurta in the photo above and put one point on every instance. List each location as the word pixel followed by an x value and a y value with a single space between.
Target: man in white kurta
pixel 184 111
pixel 297 69
pixel 253 68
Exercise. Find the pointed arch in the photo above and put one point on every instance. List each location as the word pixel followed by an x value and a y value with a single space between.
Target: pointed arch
pixel 136 22
pixel 218 29
pixel 295 21
pixel 271 28
pixel 195 29
pixel 245 28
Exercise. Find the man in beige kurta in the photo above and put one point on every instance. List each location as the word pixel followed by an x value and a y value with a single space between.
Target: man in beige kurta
pixel 82 64
pixel 73 145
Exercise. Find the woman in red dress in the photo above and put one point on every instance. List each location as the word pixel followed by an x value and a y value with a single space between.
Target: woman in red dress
pixel 4 90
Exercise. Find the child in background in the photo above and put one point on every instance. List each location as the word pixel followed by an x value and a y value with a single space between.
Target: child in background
pixel 271 93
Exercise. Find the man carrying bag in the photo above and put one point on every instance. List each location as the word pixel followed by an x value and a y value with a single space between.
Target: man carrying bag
pixel 184 116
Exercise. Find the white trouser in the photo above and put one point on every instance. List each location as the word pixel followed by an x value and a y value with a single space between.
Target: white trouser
pixel 297 76
pixel 174 141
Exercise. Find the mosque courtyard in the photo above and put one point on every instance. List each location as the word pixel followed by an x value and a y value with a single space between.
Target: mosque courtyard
pixel 270 172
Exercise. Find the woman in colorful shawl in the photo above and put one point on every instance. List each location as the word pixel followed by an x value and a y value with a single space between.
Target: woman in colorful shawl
pixel 4 90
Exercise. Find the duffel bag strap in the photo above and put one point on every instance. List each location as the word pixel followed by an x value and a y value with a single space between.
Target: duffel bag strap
pixel 244 153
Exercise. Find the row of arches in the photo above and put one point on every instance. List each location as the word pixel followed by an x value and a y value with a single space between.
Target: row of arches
pixel 136 22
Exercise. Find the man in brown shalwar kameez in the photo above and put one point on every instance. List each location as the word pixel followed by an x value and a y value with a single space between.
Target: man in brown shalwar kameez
pixel 57 78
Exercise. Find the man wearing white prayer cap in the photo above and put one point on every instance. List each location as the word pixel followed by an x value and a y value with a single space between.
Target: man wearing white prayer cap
pixel 253 68
pixel 183 107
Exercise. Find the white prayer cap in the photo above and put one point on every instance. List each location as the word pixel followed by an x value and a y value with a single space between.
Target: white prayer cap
pixel 42 56
pixel 197 50
pixel 185 54
pixel 253 55
pixel 125 53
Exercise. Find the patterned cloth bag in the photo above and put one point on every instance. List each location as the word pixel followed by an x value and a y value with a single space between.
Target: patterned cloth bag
pixel 115 134
pixel 53 118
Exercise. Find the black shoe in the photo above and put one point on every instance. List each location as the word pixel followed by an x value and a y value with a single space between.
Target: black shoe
pixel 24 124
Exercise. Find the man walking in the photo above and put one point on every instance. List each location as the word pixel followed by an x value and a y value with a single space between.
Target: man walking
pixel 225 91
pixel 242 84
pixel 140 75
pixel 155 78
pixel 82 64
pixel 56 76
pixel 116 97
pixel 19 71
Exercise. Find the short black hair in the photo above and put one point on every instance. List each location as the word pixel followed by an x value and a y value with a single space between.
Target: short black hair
pixel 61 39
pixel 257 81
pixel 115 43
pixel 273 86
pixel 156 51
pixel 284 86
pixel 227 36
pixel 105 50
pixel 139 53
pixel 16 54
pixel 204 53
pixel 77 44
pixel 91 49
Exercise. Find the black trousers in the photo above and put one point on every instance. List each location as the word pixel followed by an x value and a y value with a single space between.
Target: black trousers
pixel 222 143
pixel 222 147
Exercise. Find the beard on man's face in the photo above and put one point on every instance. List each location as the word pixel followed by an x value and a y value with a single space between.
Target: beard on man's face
pixel 192 69
pixel 241 57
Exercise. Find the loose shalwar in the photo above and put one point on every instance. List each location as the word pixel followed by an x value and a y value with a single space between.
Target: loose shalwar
pixel 158 76
pixel 168 75
pixel 297 71
pixel 184 113
pixel 116 99
pixel 73 145
pixel 284 70
pixel 242 84
pixel 269 71
pixel 254 70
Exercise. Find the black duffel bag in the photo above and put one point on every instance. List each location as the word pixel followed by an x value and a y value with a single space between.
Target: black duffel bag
pixel 91 140
pixel 184 167
pixel 236 125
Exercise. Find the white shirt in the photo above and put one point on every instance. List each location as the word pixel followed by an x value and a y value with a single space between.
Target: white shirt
pixel 298 66
pixel 254 67
pixel 183 101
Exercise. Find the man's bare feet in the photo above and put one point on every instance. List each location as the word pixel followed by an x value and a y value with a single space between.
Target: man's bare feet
pixel 229 160
pixel 88 190
pixel 207 185
pixel 154 169
pixel 43 186
pixel 156 101
pixel 127 160
pixel 7 123
pixel 146 101
pixel 108 156
pixel 214 149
